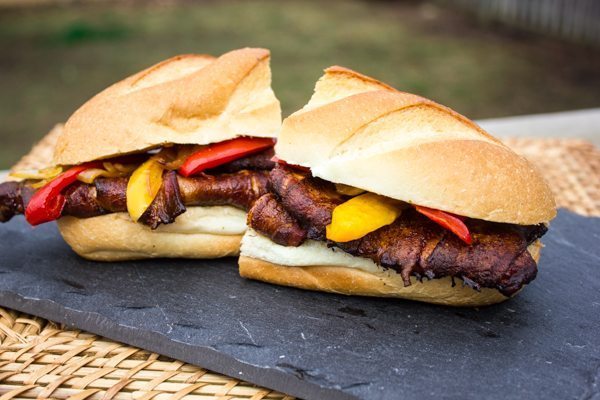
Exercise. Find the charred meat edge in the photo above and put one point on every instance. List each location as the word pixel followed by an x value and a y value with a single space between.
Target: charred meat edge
pixel 300 207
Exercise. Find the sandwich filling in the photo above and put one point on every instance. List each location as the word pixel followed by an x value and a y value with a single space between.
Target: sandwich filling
pixel 311 252
pixel 236 181
pixel 299 208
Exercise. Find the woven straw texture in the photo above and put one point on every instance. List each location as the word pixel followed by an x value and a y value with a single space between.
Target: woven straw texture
pixel 39 359
pixel 572 167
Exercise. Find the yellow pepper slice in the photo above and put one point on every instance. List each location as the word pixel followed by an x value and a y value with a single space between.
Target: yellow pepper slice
pixel 361 215
pixel 143 186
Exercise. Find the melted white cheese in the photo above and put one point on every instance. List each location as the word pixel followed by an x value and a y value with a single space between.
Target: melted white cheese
pixel 221 220
pixel 309 253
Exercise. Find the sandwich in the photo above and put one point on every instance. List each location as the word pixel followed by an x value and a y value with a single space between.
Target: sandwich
pixel 164 163
pixel 383 193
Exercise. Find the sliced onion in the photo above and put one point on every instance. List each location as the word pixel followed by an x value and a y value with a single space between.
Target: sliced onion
pixel 173 157
pixel 348 190
pixel 40 184
pixel 42 174
pixel 112 170
pixel 108 166
pixel 90 175
pixel 124 168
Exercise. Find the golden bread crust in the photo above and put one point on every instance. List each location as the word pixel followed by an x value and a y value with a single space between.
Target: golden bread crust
pixel 356 130
pixel 195 99
pixel 352 281
pixel 115 237
pixel 386 283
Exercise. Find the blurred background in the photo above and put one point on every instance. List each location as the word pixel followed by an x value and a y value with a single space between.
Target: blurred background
pixel 483 58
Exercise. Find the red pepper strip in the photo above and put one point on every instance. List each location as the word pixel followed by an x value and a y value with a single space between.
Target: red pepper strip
pixel 47 203
pixel 449 221
pixel 278 160
pixel 223 152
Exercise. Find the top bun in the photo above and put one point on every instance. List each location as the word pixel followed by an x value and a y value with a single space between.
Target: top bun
pixel 361 132
pixel 192 98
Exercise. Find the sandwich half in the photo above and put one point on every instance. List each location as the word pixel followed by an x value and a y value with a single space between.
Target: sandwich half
pixel 383 193
pixel 164 163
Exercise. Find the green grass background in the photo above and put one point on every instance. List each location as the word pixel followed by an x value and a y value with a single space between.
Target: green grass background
pixel 54 58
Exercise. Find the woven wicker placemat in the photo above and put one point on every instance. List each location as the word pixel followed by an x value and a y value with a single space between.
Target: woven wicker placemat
pixel 39 359
pixel 571 167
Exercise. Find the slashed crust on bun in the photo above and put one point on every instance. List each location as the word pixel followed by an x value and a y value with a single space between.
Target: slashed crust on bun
pixel 363 133
pixel 190 98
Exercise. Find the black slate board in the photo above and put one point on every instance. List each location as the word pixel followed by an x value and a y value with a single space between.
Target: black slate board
pixel 543 344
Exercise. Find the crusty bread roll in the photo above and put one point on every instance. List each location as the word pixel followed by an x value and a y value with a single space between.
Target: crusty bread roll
pixel 188 99
pixel 360 132
pixel 384 283
pixel 115 237
pixel 192 98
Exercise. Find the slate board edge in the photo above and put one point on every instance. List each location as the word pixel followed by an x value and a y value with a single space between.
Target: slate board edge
pixel 202 356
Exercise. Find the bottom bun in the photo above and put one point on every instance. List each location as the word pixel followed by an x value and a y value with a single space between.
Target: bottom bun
pixel 115 237
pixel 385 283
